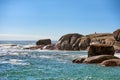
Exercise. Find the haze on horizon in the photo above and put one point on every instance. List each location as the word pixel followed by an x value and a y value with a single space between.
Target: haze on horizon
pixel 38 19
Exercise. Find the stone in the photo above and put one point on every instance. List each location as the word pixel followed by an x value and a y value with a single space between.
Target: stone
pixel 99 58
pixel 100 49
pixel 111 62
pixel 67 41
pixel 116 34
pixel 78 60
pixel 43 42
pixel 49 47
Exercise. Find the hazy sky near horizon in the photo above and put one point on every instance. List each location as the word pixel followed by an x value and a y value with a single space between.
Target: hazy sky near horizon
pixel 38 19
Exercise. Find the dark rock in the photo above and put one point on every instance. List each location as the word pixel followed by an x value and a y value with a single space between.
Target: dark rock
pixel 99 59
pixel 100 49
pixel 116 35
pixel 78 60
pixel 43 42
pixel 111 62
pixel 66 41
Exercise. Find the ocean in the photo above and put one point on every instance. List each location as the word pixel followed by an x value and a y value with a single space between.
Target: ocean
pixel 19 64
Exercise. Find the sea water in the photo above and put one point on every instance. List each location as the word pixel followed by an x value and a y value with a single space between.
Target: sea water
pixel 19 64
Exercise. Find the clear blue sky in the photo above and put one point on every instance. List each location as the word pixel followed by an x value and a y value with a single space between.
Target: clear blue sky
pixel 38 19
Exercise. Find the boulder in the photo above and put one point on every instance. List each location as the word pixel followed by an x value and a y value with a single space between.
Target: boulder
pixel 67 41
pixel 78 60
pixel 116 35
pixel 43 42
pixel 49 47
pixel 100 49
pixel 111 62
pixel 99 58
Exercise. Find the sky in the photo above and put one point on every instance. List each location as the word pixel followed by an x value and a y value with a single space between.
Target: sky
pixel 40 19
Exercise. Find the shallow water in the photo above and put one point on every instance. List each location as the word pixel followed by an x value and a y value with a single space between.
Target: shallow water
pixel 19 64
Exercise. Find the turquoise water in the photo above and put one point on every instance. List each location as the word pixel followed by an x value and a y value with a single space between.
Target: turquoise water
pixel 19 64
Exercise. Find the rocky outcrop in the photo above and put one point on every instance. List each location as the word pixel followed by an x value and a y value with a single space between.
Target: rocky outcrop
pixel 100 49
pixel 100 54
pixel 99 58
pixel 116 35
pixel 73 41
pixel 111 62
pixel 43 42
pixel 77 41
pixel 102 38
pixel 67 41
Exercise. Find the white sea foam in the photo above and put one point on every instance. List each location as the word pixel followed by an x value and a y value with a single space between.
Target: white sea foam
pixel 45 56
pixel 27 46
pixel 9 47
pixel 117 54
pixel 14 62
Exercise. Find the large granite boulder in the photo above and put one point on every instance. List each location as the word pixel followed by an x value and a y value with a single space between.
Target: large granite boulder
pixel 116 35
pixel 43 42
pixel 111 62
pixel 66 41
pixel 100 49
pixel 99 58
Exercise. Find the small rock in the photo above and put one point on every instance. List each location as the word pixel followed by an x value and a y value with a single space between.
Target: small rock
pixel 78 60
pixel 99 58
pixel 111 62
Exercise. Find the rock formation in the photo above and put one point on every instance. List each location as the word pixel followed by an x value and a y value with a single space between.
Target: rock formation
pixel 67 41
pixel 75 41
pixel 100 54
pixel 43 42
pixel 100 49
